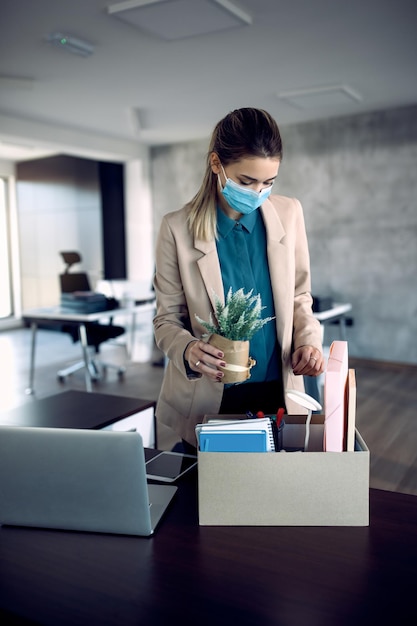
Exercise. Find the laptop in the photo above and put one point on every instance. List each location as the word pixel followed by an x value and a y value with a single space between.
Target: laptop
pixel 80 480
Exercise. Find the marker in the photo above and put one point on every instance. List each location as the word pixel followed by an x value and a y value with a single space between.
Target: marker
pixel 280 415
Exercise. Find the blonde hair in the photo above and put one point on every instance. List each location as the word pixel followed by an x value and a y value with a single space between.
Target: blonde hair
pixel 242 133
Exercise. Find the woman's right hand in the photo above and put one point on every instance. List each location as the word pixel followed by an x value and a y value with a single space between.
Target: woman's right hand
pixel 205 359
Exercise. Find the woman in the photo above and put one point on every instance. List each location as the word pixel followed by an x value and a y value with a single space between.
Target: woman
pixel 234 234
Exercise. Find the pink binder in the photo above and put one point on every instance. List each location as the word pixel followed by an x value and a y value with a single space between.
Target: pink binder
pixel 335 398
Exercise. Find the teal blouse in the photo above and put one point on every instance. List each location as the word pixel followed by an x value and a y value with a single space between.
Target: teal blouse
pixel 241 247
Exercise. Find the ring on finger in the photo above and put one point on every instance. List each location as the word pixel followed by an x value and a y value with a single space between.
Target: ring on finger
pixel 197 363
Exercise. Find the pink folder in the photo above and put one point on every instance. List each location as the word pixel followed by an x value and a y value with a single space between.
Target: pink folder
pixel 335 405
pixel 351 411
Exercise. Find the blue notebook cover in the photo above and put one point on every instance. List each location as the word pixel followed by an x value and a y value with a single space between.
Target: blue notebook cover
pixel 233 441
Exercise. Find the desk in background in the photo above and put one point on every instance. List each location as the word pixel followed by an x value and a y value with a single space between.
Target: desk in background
pixel 337 313
pixel 137 291
pixel 57 315
pixel 186 574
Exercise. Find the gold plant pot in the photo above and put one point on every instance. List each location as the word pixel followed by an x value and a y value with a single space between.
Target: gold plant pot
pixel 236 355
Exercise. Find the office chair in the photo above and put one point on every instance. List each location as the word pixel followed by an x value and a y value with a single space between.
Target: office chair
pixel 97 333
pixel 74 281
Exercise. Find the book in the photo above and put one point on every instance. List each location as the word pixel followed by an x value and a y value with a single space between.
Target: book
pixel 244 435
pixel 84 302
pixel 83 296
pixel 233 441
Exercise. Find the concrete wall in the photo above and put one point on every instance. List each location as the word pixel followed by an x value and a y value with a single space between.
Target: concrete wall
pixel 356 177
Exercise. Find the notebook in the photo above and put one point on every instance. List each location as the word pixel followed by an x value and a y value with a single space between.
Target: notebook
pixel 242 435
pixel 81 480
pixel 233 441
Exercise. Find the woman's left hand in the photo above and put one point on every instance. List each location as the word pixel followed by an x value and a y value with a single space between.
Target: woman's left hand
pixel 307 361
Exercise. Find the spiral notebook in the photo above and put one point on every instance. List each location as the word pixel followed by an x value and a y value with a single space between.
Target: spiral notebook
pixel 243 435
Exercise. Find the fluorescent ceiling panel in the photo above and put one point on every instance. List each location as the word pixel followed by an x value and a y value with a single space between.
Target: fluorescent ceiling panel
pixel 178 19
pixel 77 46
pixel 322 97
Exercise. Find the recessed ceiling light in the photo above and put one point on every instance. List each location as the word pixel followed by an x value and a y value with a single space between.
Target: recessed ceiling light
pixel 320 97
pixel 178 19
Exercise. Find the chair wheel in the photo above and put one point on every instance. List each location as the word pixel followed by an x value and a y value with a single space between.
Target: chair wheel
pixel 120 373
pixel 61 379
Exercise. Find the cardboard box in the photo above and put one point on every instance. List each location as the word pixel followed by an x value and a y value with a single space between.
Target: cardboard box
pixel 312 488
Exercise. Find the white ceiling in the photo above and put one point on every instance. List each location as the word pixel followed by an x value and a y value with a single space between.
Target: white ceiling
pixel 349 56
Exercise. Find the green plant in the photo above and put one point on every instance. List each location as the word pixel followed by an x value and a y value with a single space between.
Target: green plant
pixel 239 318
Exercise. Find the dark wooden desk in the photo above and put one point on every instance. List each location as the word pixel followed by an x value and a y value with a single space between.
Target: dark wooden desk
pixel 81 409
pixel 208 576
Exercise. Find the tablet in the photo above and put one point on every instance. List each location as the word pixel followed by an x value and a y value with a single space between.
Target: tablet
pixel 169 466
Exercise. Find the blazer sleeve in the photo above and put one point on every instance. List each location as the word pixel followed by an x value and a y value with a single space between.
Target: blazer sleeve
pixel 307 330
pixel 172 326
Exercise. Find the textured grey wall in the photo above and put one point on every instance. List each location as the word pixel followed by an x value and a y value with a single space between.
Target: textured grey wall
pixel 356 177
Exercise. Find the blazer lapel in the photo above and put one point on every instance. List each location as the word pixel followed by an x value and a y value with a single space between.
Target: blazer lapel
pixel 279 269
pixel 274 228
pixel 209 267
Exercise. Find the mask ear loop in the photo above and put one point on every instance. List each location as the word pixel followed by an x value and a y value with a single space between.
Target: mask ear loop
pixel 220 180
pixel 225 176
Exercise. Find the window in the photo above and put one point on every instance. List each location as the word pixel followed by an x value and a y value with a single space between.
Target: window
pixel 6 308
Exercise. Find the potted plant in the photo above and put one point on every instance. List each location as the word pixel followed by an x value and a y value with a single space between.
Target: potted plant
pixel 234 324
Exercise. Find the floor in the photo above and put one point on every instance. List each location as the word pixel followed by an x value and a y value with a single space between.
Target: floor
pixel 386 394
pixel 55 351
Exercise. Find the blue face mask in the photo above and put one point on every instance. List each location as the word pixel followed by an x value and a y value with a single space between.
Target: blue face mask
pixel 241 199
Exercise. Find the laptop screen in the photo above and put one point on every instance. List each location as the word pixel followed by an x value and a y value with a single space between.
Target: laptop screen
pixel 73 479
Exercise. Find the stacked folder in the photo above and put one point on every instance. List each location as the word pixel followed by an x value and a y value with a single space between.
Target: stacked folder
pixel 84 301
pixel 247 435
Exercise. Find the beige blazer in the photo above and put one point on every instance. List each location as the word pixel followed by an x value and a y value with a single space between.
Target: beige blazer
pixel 187 277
